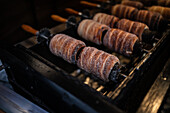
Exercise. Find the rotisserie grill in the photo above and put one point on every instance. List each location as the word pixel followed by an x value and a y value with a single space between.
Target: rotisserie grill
pixel 99 61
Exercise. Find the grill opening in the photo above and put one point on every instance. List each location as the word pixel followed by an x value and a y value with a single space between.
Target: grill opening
pixel 106 89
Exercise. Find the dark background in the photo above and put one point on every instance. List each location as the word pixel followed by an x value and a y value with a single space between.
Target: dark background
pixel 14 13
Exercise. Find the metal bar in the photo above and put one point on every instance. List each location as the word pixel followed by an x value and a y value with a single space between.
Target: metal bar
pixel 155 96
pixel 33 40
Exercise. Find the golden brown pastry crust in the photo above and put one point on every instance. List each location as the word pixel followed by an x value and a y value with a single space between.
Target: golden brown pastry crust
pixel 164 11
pixel 106 19
pixel 66 47
pixel 135 4
pixel 91 30
pixel 134 27
pixel 120 41
pixel 123 11
pixel 97 62
pixel 152 19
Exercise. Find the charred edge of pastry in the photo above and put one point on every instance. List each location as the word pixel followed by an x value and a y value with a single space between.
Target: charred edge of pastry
pixel 103 35
pixel 113 22
pixel 163 24
pixel 158 23
pixel 134 14
pixel 154 23
pixel 148 36
pixel 79 51
pixel 122 11
pixel 137 48
pixel 114 74
pixel 116 24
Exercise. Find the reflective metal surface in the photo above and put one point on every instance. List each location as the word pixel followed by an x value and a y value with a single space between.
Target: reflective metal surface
pixel 11 102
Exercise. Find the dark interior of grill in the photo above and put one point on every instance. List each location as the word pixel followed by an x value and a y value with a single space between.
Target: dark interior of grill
pixel 54 85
